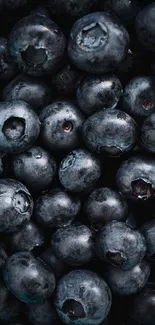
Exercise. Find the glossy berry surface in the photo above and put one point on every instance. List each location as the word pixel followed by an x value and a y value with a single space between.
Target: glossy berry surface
pixel 128 282
pixel 120 245
pixel 19 127
pixel 61 124
pixel 35 167
pixel 148 230
pixel 31 90
pixel 103 205
pixel 30 44
pixel 74 244
pixel 28 279
pixel 82 297
pixel 139 97
pixel 96 93
pixel 8 66
pixel 79 170
pixel 27 238
pixel 16 205
pixel 135 177
pixel 56 208
pixel 110 131
pixel 92 39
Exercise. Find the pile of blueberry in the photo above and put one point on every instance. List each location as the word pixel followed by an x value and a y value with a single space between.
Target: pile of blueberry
pixel 77 162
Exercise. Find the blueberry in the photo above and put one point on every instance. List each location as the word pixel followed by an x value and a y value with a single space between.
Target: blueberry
pixel 148 230
pixel 73 8
pixel 120 245
pixel 30 44
pixel 139 97
pixel 142 308
pixel 56 208
pixel 74 244
pixel 61 124
pixel 28 279
pixel 136 177
pixel 67 80
pixel 144 25
pixel 98 43
pixel 35 167
pixel 3 257
pixel 110 131
pixel 16 205
pixel 124 9
pixel 95 93
pixel 127 282
pixel 19 126
pixel 27 238
pixel 105 204
pixel 8 66
pixel 148 133
pixel 31 90
pixel 10 307
pixel 41 314
pixel 50 259
pixel 82 297
pixel 79 170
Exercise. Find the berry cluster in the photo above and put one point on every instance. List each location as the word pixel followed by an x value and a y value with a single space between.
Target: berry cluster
pixel 77 162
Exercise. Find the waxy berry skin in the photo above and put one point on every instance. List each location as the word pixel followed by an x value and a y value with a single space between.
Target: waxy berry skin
pixel 79 170
pixel 136 177
pixel 104 205
pixel 86 290
pixel 30 44
pixel 95 93
pixel 19 126
pixel 111 132
pixel 28 279
pixel 98 43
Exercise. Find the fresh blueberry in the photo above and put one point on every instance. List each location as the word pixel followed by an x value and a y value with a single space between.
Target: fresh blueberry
pixel 61 124
pixel 105 204
pixel 16 205
pixel 19 126
pixel 67 80
pixel 28 279
pixel 10 307
pixel 57 265
pixel 148 133
pixel 127 282
pixel 144 26
pixel 126 10
pixel 41 314
pixel 148 230
pixel 35 167
pixel 8 67
pixel 98 43
pixel 57 208
pixel 96 93
pixel 27 238
pixel 120 245
pixel 136 177
pixel 71 8
pixel 79 170
pixel 142 307
pixel 110 131
pixel 82 297
pixel 31 90
pixel 74 244
pixel 30 44
pixel 139 97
